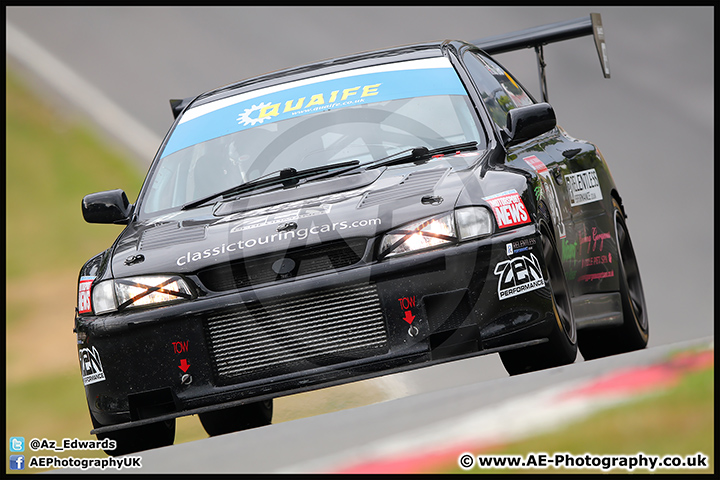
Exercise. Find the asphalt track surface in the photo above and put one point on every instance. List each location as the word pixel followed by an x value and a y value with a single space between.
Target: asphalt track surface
pixel 653 121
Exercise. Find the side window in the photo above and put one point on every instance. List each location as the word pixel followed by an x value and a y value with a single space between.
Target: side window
pixel 498 90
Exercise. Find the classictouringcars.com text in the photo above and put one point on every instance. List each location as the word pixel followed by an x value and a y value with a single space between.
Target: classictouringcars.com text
pixel 300 234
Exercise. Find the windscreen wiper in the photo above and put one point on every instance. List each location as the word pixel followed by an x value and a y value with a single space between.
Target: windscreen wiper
pixel 288 177
pixel 419 155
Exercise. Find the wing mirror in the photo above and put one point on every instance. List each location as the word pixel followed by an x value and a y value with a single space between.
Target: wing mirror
pixel 524 123
pixel 111 206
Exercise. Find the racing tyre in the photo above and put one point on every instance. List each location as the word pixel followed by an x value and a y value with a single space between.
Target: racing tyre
pixel 136 439
pixel 561 347
pixel 634 331
pixel 235 419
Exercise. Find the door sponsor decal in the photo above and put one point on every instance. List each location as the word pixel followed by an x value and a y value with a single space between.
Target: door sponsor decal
pixel 508 208
pixel 518 275
pixel 595 255
pixel 90 366
pixel 583 187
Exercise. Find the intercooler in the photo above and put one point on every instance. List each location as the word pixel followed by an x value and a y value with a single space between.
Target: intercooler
pixel 296 333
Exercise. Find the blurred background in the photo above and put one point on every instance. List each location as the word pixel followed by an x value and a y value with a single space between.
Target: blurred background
pixel 87 93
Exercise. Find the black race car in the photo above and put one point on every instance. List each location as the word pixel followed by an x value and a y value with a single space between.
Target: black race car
pixel 348 219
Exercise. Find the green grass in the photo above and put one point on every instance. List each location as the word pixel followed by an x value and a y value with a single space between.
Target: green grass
pixel 51 163
pixel 679 421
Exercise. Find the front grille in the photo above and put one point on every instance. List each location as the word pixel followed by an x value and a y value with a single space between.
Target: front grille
pixel 259 270
pixel 296 333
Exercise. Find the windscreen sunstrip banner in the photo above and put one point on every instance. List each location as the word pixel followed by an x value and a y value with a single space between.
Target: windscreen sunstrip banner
pixel 416 78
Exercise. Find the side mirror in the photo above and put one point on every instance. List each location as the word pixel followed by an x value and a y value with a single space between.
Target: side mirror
pixel 524 123
pixel 111 206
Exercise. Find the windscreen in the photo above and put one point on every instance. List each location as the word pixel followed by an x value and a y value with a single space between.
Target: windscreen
pixel 363 114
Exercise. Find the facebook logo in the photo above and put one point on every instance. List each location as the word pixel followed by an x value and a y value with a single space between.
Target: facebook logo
pixel 17 444
pixel 17 462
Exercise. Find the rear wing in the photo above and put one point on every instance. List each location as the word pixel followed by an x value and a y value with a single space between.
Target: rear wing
pixel 555 32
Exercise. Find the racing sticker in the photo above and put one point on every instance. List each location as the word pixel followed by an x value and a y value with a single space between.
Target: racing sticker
pixel 518 275
pixel 84 285
pixel 594 255
pixel 380 83
pixel 547 189
pixel 90 365
pixel 518 246
pixel 287 216
pixel 508 208
pixel 583 187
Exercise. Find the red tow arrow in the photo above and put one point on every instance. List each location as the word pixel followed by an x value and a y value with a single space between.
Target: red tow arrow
pixel 409 317
pixel 184 365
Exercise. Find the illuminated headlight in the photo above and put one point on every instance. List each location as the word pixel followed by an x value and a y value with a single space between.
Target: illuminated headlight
pixel 136 292
pixel 463 224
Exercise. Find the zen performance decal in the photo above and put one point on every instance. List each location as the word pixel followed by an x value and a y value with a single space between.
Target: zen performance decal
pixel 583 187
pixel 90 365
pixel 416 78
pixel 299 234
pixel 508 208
pixel 518 275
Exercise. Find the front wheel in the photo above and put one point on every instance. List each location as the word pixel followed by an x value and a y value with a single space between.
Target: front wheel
pixel 561 347
pixel 634 331
pixel 235 419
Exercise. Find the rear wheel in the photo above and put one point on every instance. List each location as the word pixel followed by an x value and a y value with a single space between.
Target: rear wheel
pixel 561 347
pixel 136 439
pixel 634 331
pixel 235 419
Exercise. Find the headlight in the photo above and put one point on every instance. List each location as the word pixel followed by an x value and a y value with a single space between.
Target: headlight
pixel 473 222
pixel 133 292
pixel 463 224
pixel 419 236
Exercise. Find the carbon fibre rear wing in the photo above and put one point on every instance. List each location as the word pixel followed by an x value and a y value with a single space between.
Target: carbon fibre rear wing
pixel 554 32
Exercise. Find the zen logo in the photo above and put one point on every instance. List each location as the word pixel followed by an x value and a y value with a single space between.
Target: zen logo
pixel 518 275
pixel 90 365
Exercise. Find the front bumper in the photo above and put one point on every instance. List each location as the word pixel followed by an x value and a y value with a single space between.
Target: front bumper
pixel 297 335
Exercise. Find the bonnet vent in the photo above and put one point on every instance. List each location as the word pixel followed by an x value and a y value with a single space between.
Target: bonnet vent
pixel 169 234
pixel 416 183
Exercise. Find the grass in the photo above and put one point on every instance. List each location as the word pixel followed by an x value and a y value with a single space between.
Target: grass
pixel 52 162
pixel 679 421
